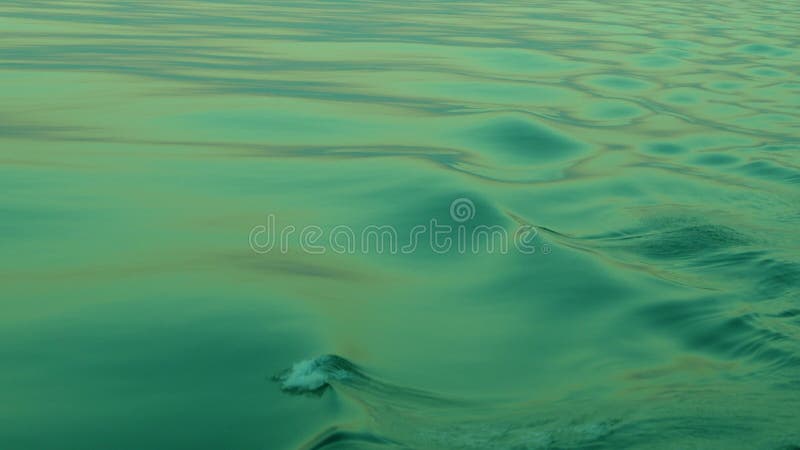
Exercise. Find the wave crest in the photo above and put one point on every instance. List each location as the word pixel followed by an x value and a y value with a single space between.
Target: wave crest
pixel 313 376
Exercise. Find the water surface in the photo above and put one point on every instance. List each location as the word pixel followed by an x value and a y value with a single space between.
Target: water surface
pixel 653 147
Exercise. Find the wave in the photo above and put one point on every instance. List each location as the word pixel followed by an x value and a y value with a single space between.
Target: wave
pixel 402 417
pixel 313 376
pixel 397 417
pixel 739 289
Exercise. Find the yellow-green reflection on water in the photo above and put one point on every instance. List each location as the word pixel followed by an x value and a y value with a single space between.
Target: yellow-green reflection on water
pixel 652 146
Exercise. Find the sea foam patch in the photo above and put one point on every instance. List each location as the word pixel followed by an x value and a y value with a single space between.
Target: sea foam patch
pixel 314 375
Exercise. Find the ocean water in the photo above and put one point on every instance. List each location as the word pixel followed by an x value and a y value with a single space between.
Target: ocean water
pixel 616 186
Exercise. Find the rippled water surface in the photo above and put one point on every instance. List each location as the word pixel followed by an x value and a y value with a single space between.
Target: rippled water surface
pixel 651 146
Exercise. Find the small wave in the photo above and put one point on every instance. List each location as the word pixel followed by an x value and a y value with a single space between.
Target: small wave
pixel 402 417
pixel 313 376
pixel 397 417
pixel 704 325
pixel 680 248
pixel 335 438
pixel 316 375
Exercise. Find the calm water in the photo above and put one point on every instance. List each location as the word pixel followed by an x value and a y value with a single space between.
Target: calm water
pixel 653 149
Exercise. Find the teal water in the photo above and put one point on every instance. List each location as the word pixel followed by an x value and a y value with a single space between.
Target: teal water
pixel 649 151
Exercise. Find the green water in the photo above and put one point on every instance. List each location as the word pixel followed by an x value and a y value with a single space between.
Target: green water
pixel 651 146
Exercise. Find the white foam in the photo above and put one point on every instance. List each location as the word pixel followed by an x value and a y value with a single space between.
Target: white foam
pixel 310 374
